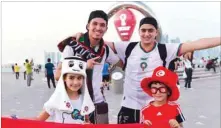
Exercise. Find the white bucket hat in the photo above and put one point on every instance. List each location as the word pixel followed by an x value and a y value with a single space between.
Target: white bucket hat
pixel 59 98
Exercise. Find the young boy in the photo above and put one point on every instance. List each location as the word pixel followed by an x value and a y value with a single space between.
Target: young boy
pixel 162 112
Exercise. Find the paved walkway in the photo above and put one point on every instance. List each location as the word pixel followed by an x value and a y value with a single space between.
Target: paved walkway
pixel 201 105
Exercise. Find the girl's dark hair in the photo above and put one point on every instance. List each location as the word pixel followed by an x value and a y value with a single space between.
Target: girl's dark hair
pixel 169 90
pixel 64 76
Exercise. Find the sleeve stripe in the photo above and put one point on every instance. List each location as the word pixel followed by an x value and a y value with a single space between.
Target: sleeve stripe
pixel 114 49
pixel 145 107
pixel 181 114
pixel 141 113
pixel 178 51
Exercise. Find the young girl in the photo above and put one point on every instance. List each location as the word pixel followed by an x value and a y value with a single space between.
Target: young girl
pixel 162 112
pixel 70 102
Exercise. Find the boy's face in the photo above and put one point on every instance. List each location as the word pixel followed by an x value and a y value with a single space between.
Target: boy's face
pixel 159 91
pixel 74 82
pixel 147 33
pixel 97 27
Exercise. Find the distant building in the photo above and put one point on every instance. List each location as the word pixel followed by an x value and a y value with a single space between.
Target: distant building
pixel 54 56
pixel 176 40
pixel 164 38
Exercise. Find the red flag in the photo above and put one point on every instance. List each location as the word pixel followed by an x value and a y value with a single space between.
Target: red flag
pixel 23 123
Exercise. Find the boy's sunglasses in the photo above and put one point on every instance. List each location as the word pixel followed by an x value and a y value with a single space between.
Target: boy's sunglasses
pixel 161 89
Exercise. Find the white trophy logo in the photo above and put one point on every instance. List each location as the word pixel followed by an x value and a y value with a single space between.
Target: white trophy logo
pixel 123 18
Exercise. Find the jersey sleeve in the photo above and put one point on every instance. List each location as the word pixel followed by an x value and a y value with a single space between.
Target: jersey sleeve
pixel 180 118
pixel 173 50
pixel 120 48
pixel 144 111
pixel 68 51
pixel 141 117
pixel 112 57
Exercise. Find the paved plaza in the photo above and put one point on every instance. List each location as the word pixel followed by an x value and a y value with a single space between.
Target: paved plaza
pixel 200 105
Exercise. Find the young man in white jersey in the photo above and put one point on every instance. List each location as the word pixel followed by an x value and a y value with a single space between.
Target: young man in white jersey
pixel 90 47
pixel 141 60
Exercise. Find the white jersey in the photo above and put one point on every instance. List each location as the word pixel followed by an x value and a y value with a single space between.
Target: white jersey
pixel 97 71
pixel 187 63
pixel 74 117
pixel 141 64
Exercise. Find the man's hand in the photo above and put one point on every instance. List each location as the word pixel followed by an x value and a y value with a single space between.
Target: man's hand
pixel 173 123
pixel 92 62
pixel 31 62
pixel 58 71
pixel 147 122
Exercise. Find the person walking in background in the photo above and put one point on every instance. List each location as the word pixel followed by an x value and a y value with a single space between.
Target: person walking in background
pixel 203 62
pixel 49 67
pixel 106 76
pixel 16 69
pixel 23 69
pixel 13 71
pixel 28 66
pixel 39 67
pixel 188 71
pixel 173 66
pixel 212 64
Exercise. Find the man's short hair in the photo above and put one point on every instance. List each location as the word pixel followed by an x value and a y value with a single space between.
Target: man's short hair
pixel 49 60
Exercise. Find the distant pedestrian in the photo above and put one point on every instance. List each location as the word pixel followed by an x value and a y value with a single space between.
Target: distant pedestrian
pixel 173 66
pixel 16 69
pixel 203 62
pixel 37 69
pixel 28 66
pixel 23 70
pixel 106 76
pixel 49 67
pixel 13 71
pixel 212 64
pixel 188 71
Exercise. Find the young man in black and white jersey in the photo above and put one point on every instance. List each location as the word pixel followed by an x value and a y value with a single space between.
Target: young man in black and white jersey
pixel 92 48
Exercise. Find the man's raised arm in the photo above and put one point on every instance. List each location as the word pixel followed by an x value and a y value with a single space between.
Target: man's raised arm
pixel 200 44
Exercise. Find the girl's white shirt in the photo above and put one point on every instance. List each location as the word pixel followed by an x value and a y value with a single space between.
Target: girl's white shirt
pixel 59 102
pixel 61 116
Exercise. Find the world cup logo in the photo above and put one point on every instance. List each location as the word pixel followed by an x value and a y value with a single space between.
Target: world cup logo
pixel 125 22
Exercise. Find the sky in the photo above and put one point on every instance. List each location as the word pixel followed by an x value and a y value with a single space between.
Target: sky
pixel 30 28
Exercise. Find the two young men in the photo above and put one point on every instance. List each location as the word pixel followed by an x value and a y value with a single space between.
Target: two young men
pixel 140 59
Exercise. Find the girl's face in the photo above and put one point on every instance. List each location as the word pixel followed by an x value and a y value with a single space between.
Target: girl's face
pixel 159 91
pixel 74 82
